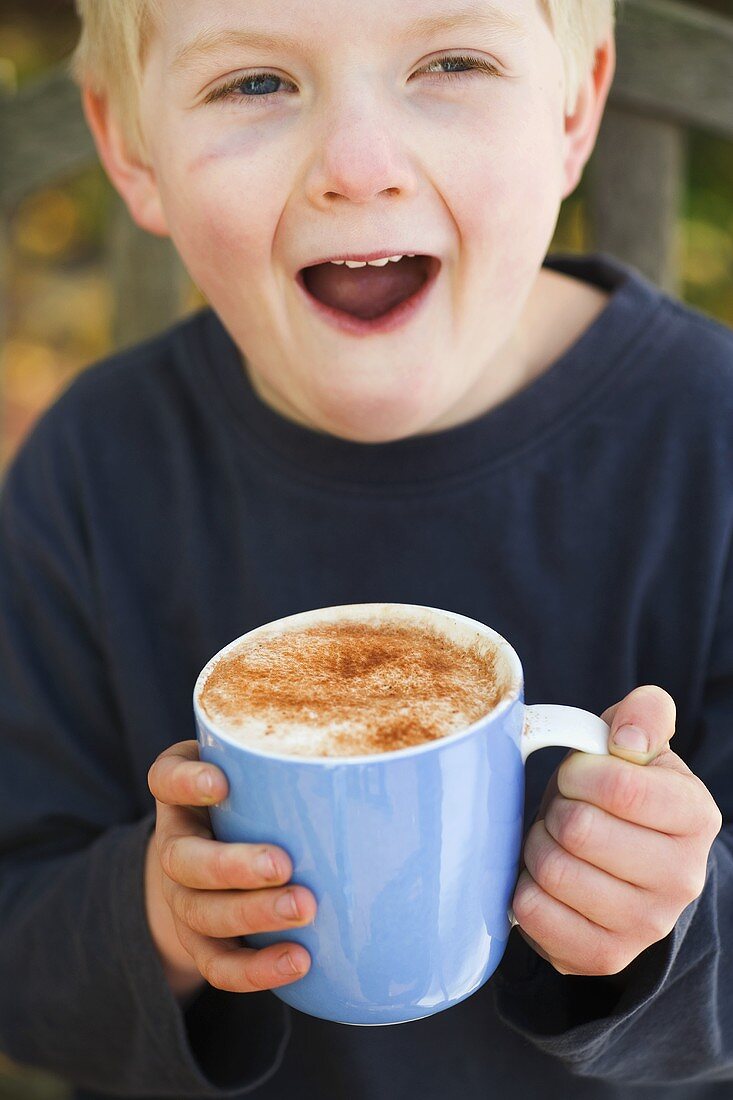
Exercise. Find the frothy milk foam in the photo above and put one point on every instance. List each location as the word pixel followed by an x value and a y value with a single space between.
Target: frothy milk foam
pixel 351 684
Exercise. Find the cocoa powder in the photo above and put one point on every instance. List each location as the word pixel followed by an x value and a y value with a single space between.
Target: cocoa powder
pixel 350 688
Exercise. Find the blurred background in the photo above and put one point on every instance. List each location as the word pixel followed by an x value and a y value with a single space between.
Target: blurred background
pixel 59 303
pixel 58 306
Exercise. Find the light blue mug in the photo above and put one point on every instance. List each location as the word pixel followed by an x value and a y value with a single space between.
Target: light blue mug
pixel 412 855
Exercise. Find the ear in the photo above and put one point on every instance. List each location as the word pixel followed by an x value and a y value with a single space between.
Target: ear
pixel 135 181
pixel 581 128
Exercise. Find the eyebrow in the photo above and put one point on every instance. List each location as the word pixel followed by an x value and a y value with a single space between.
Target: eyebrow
pixel 475 15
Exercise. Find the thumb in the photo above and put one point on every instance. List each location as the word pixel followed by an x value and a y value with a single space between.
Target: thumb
pixel 641 724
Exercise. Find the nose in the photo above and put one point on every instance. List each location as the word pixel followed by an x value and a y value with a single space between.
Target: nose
pixel 359 156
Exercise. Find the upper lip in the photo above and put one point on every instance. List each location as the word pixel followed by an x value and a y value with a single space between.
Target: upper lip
pixel 367 256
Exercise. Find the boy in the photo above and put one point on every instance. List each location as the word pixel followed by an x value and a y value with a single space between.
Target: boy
pixel 541 444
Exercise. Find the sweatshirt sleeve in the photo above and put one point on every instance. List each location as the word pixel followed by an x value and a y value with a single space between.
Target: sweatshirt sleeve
pixel 82 990
pixel 668 1017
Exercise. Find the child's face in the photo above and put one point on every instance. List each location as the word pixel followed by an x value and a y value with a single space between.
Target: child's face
pixel 352 149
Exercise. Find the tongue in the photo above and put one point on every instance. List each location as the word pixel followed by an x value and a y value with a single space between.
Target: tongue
pixel 366 292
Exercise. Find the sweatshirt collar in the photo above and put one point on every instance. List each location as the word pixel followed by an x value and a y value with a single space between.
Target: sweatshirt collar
pixel 486 440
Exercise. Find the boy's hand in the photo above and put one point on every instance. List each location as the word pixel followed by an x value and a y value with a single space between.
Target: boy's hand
pixel 617 851
pixel 201 894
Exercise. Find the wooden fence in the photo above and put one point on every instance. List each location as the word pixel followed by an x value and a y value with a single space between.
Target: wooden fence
pixel 674 72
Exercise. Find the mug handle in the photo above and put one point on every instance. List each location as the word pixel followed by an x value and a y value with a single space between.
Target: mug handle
pixel 549 724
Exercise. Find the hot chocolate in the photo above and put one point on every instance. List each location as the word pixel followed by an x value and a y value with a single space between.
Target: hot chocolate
pixel 350 688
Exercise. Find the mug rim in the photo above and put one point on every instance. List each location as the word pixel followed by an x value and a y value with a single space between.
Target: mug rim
pixel 508 653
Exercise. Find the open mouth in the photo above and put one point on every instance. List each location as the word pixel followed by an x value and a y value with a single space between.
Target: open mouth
pixel 368 295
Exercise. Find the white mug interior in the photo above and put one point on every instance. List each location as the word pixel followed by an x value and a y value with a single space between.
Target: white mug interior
pixel 456 628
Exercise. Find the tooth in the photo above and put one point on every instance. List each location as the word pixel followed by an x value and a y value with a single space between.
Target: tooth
pixel 395 259
pixel 337 261
pixel 355 263
pixel 379 263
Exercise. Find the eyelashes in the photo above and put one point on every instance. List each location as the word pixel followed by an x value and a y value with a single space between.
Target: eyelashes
pixel 229 92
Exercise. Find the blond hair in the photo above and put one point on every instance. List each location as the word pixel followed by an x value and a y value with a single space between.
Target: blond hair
pixel 110 55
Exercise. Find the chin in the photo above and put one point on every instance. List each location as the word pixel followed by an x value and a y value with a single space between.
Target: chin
pixel 380 409
pixel 377 421
pixel 368 415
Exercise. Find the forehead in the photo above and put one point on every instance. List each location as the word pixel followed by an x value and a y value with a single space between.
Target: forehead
pixel 196 28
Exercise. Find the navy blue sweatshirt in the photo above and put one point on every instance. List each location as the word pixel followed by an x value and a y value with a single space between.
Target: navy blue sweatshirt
pixel 159 509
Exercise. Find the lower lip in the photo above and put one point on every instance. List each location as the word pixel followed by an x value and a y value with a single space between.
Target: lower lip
pixel 388 322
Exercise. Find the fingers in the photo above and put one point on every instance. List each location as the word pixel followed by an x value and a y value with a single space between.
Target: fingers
pixel 223 913
pixel 187 852
pixel 561 934
pixel 605 899
pixel 179 778
pixel 190 856
pixel 651 713
pixel 661 798
pixel 205 864
pixel 551 790
pixel 217 891
pixel 623 850
pixel 225 964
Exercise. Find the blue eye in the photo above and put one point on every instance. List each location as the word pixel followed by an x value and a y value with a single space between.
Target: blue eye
pixel 257 89
pixel 472 63
pixel 248 86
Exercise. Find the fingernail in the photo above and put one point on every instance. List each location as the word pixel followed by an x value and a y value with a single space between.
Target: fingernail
pixel 205 783
pixel 265 865
pixel 286 905
pixel 287 965
pixel 631 738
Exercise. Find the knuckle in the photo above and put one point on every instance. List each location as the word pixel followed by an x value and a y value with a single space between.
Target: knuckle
pixel 220 865
pixel 717 822
pixel 711 819
pixel 211 969
pixel 258 974
pixel 609 958
pixel 700 812
pixel 564 969
pixel 562 771
pixel 527 899
pixel 553 869
pixel 152 776
pixel 185 936
pixel 655 922
pixel 170 888
pixel 575 826
pixel 160 769
pixel 156 774
pixel 626 790
pixel 246 918
pixel 168 854
pixel 691 886
pixel 188 908
pixel 688 874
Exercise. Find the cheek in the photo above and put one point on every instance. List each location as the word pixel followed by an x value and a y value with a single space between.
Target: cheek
pixel 505 200
pixel 521 182
pixel 220 216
